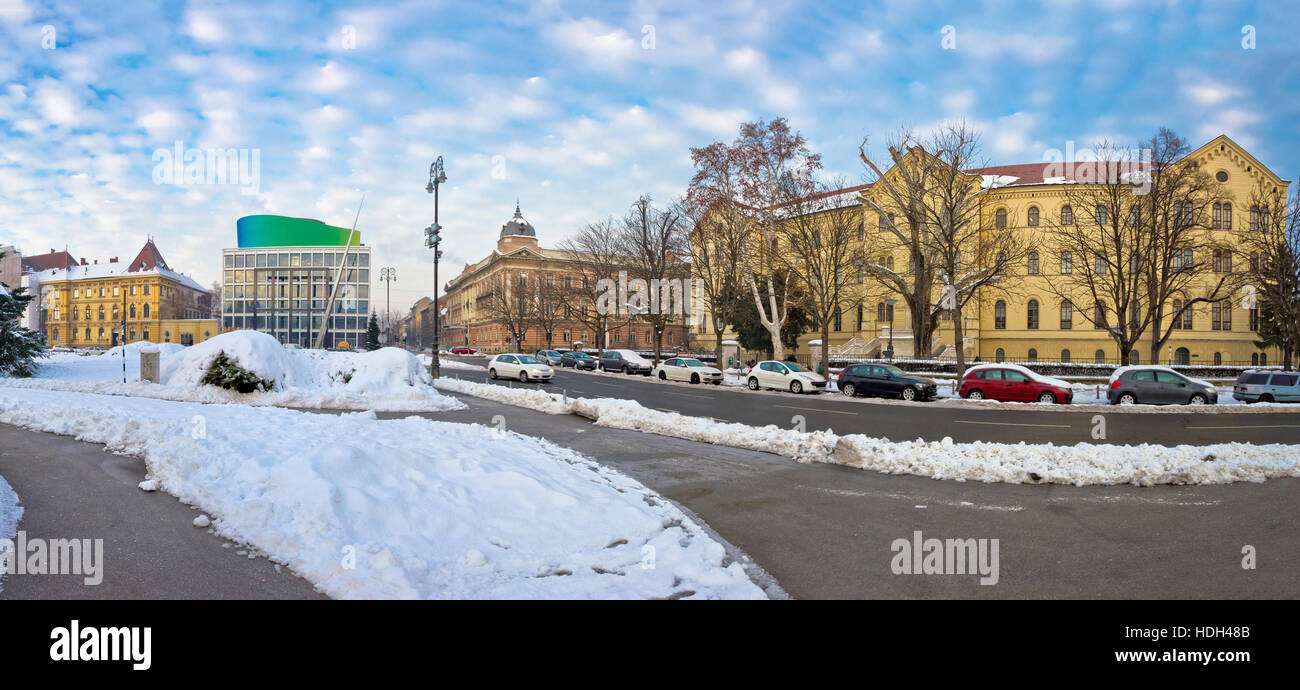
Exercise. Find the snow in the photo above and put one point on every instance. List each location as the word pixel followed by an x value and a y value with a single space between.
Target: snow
pixel 994 181
pixel 10 514
pixel 389 379
pixel 404 508
pixel 1080 464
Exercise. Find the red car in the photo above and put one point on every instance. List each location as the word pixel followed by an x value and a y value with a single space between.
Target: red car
pixel 462 350
pixel 1012 383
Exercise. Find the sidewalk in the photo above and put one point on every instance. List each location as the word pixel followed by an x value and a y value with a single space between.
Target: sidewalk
pixel 74 490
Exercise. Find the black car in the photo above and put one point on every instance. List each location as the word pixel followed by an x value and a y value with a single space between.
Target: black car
pixel 885 380
pixel 578 360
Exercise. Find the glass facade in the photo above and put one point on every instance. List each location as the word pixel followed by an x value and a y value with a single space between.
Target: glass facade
pixel 283 291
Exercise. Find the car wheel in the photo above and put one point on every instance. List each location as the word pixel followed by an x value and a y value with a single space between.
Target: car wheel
pixel 523 377
pixel 663 376
pixel 627 369
pixel 1266 398
pixel 849 390
pixel 796 387
pixel 1197 399
pixel 975 394
pixel 695 378
pixel 908 394
pixel 1046 397
pixel 1127 399
pixel 492 373
pixel 753 383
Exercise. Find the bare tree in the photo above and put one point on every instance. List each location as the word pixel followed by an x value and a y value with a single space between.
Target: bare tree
pixel 594 253
pixel 719 236
pixel 822 227
pixel 656 243
pixel 511 301
pixel 548 305
pixel 1271 242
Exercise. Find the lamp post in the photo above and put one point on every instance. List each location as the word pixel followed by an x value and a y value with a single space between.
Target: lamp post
pixel 388 274
pixel 431 240
pixel 889 305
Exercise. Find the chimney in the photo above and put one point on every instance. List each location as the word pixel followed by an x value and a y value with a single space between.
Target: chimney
pixel 96 262
pixel 83 261
pixel 113 260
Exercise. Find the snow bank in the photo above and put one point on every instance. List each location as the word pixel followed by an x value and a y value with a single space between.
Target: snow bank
pixel 389 379
pixel 134 349
pixel 1080 464
pixel 10 514
pixel 409 508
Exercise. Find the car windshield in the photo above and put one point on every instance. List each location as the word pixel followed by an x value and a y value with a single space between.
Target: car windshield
pixel 694 363
pixel 580 355
pixel 892 370
pixel 527 359
pixel 793 367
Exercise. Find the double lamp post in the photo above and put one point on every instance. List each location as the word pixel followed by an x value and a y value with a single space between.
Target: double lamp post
pixel 431 240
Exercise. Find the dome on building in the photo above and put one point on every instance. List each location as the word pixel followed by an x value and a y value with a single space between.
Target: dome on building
pixel 518 226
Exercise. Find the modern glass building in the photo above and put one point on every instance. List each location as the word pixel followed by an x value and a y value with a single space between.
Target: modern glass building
pixel 278 281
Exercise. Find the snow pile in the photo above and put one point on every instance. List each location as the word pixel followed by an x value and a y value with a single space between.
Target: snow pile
pixel 10 514
pixel 407 508
pixel 388 379
pixel 134 349
pixel 989 462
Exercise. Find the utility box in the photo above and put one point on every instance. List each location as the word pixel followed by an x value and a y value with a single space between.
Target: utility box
pixel 149 364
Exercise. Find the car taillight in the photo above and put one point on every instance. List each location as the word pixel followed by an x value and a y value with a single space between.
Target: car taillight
pixel 1114 384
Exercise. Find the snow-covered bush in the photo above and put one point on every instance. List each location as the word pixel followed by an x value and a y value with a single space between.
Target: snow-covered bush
pixel 224 373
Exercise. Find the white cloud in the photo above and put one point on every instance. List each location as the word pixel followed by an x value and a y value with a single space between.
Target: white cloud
pixel 603 46
pixel 204 27
pixel 57 104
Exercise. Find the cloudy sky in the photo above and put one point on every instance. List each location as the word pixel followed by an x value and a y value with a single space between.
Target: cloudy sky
pixel 573 108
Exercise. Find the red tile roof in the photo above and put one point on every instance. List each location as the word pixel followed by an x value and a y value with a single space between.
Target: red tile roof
pixel 46 262
pixel 148 259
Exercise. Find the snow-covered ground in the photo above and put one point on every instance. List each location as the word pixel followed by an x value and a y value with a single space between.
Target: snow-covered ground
pixel 408 508
pixel 389 379
pixel 10 514
pixel 1001 462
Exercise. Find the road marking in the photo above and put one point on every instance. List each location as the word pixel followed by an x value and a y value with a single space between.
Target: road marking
pixel 1249 426
pixel 689 395
pixel 602 383
pixel 815 409
pixel 1055 426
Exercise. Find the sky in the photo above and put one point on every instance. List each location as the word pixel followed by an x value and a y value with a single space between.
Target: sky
pixel 574 109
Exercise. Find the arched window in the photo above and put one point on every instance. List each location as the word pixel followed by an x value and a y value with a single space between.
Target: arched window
pixel 1000 314
pixel 1033 355
pixel 1101 264
pixel 999 355
pixel 56 335
pixel 101 334
pixel 1178 314
pixel 1033 263
pixel 1067 316
pixel 132 311
pixel 1102 215
pixel 1099 357
pixel 880 311
pixel 1254 359
pixel 101 312
pixel 1000 218
pixel 1032 320
pixel 1218 358
pixel 1000 262
pixel 1067 215
pixel 146 310
pixel 1067 262
pixel 1033 216
pixel 1227 216
pixel 1263 359
pixel 146 333
pixel 1065 356
pixel 1134 358
pixel 75 316
pixel 87 334
pixel 1182 356
pixel 1217 221
pixel 880 224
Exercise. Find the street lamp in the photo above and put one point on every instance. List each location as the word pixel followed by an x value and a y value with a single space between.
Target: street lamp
pixel 889 306
pixel 388 274
pixel 431 240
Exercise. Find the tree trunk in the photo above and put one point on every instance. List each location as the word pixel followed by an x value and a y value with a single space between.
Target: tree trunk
pixel 958 338
pixel 825 355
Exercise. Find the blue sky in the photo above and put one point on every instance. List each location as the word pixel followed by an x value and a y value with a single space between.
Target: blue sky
pixel 573 108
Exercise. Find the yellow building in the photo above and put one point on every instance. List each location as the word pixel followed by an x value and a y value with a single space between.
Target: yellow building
pixel 1028 317
pixel 84 303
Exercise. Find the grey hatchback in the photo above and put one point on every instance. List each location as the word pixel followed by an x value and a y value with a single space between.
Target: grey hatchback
pixel 1263 386
pixel 1158 386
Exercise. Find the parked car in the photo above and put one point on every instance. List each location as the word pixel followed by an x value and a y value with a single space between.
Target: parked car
pixel 626 361
pixel 1264 386
pixel 578 360
pixel 513 365
pixel 885 380
pixel 1157 385
pixel 93 350
pixel 687 369
pixel 550 357
pixel 463 350
pixel 786 376
pixel 1013 383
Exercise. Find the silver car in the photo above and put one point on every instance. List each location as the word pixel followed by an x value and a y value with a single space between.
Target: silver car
pixel 549 357
pixel 1263 386
pixel 1154 385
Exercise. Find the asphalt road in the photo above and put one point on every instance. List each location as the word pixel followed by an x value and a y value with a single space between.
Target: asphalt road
pixel 70 489
pixel 960 420
pixel 826 531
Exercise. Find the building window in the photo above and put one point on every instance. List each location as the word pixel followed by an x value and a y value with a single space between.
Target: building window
pixel 1000 314
pixel 1182 357
pixel 1033 216
pixel 837 319
pixel 999 355
pixel 1067 316
pixel 1101 215
pixel 1032 320
pixel 1033 263
pixel 1067 215
pixel 1100 264
pixel 1254 318
pixel 1218 358
pixel 1099 357
pixel 1134 358
pixel 1221 316
pixel 880 224
pixel 1178 314
pixel 146 310
pixel 1033 355
pixel 1067 262
pixel 1000 218
pixel 1065 356
pixel 1222 261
